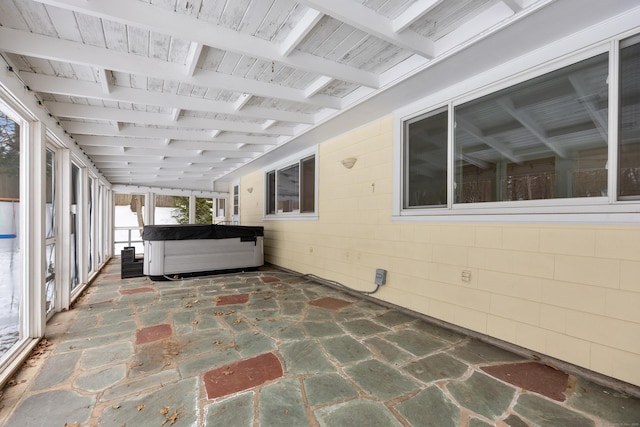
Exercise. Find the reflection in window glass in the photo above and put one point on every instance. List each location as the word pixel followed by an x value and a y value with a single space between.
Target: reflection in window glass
pixel 271 192
pixel 629 148
pixel 204 210
pixel 426 163
pixel 50 194
pixel 75 227
pixel 542 139
pixel 307 184
pixel 50 277
pixel 10 295
pixel 288 187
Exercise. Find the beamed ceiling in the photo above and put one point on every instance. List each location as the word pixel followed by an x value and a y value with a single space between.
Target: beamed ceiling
pixel 179 94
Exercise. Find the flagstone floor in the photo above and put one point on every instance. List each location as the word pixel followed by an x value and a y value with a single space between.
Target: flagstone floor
pixel 272 349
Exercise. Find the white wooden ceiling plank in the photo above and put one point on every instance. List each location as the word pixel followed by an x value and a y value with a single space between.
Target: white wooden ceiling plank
pixel 62 69
pixel 166 4
pixel 300 31
pixel 91 30
pixel 474 26
pixel 412 14
pixel 252 17
pixel 281 19
pixel 64 21
pixel 36 17
pixel 115 35
pixel 114 114
pixel 211 10
pixel 184 89
pixel 342 42
pixel 10 16
pixel 371 22
pixel 188 7
pixel 244 65
pixel 21 42
pixel 159 45
pixel 138 39
pixel 140 15
pixel 41 66
pixel 229 62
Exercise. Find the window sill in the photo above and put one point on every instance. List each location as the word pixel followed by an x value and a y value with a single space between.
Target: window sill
pixel 291 217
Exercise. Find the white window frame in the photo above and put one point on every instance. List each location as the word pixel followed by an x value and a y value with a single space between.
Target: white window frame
pixel 570 210
pixel 293 160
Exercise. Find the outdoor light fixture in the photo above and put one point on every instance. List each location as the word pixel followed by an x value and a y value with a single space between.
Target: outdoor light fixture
pixel 349 162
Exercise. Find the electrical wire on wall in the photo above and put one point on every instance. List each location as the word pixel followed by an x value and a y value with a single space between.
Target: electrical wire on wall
pixel 300 275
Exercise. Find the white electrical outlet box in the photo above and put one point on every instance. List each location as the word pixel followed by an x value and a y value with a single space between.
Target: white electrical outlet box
pixel 381 276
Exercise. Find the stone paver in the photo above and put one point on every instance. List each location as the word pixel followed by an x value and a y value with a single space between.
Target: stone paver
pixel 430 408
pixel 276 349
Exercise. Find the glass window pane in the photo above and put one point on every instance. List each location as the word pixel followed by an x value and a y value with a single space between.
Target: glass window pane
pixel 128 222
pixel 308 184
pixel 629 148
pixel 204 210
pixel 10 298
pixel 271 192
pixel 75 228
pixel 171 210
pixel 426 161
pixel 545 138
pixel 91 225
pixel 236 199
pixel 221 208
pixel 50 194
pixel 50 277
pixel 288 189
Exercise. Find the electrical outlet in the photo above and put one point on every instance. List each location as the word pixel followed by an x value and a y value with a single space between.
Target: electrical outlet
pixel 381 276
pixel 466 276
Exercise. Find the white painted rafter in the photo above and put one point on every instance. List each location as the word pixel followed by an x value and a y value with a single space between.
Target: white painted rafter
pixel 371 22
pixel 515 5
pixel 412 14
pixel 300 31
pixel 113 141
pixel 86 112
pixel 105 78
pixel 144 15
pixel 195 51
pixel 76 88
pixel 79 128
pixel 317 85
pixel 39 46
pixel 241 101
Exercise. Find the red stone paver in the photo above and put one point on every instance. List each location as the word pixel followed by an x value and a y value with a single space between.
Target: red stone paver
pixel 153 333
pixel 330 303
pixel 232 299
pixel 111 277
pixel 242 375
pixel 135 291
pixel 269 279
pixel 534 377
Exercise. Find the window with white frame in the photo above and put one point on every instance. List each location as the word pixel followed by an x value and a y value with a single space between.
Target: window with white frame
pixel 291 188
pixel 546 138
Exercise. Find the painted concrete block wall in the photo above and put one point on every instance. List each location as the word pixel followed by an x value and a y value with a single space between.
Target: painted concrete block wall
pixel 571 292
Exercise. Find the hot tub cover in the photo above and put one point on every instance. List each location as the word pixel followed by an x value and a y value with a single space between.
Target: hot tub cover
pixel 200 231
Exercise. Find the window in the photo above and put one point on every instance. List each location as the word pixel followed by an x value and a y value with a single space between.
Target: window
pixel 544 139
pixel 290 189
pixel 629 111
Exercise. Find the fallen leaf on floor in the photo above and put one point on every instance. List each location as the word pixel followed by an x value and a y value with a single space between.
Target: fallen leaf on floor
pixel 227 372
pixel 165 410
pixel 237 321
pixel 188 305
pixel 76 424
pixel 116 406
pixel 140 408
pixel 195 322
pixel 217 342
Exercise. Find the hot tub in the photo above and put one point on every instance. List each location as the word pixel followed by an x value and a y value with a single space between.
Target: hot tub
pixel 186 249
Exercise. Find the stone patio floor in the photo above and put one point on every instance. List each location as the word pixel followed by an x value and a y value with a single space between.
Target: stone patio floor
pixel 274 349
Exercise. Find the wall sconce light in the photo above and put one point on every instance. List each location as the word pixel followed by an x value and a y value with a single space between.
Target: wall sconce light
pixel 349 162
pixel 250 190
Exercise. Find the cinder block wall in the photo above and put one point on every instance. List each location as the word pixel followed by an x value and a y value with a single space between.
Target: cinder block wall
pixel 570 292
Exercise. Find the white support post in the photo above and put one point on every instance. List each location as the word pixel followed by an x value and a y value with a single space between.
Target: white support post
pixel 63 210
